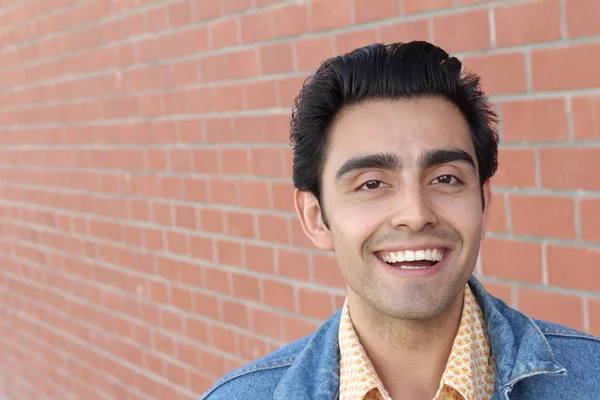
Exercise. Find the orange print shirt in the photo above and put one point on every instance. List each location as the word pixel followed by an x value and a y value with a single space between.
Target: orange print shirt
pixel 469 372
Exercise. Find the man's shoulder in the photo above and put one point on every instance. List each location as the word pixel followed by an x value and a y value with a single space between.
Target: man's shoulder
pixel 259 378
pixel 563 338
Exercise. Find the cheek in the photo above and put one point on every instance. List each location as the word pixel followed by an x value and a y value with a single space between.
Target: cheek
pixel 463 212
pixel 357 222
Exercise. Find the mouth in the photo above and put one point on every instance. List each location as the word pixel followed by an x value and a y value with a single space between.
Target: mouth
pixel 421 259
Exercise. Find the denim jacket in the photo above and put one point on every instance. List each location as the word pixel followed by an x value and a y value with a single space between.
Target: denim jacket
pixel 534 360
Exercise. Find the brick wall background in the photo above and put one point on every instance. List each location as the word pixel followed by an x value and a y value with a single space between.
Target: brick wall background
pixel 148 242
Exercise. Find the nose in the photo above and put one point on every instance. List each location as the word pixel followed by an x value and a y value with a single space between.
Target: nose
pixel 412 209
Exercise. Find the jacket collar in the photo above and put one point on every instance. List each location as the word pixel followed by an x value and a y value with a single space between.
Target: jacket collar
pixel 519 347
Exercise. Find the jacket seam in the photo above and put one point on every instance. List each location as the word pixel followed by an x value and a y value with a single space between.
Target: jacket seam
pixel 266 365
pixel 569 334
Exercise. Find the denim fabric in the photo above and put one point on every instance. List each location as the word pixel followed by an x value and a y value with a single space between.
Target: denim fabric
pixel 534 360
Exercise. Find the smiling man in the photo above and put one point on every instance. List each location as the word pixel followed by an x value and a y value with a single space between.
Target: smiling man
pixel 394 148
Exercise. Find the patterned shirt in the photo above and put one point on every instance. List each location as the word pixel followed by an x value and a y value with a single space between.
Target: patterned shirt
pixel 469 372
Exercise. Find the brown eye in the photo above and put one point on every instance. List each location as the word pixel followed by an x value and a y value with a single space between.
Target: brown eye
pixel 371 185
pixel 446 180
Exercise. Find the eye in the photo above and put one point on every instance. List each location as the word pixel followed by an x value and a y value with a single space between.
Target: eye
pixel 446 180
pixel 371 185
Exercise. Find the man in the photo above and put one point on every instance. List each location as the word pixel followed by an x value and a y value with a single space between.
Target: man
pixel 394 147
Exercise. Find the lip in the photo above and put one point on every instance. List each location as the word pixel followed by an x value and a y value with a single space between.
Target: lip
pixel 414 273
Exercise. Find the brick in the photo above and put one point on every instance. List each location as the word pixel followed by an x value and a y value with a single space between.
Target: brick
pixel 229 97
pixel 500 73
pixel 216 280
pixel 289 88
pixel 283 196
pixel 206 306
pixel 181 298
pixel 266 323
pixel 276 58
pixel 240 224
pixel 582 18
pixel 257 27
pixel 224 33
pixel 185 216
pixel 180 160
pixel 229 253
pixel 195 190
pixel 251 348
pixel 497 218
pixel 330 14
pixel 223 191
pixel 365 10
pixel 326 272
pixel 254 194
pixel 311 52
pixel 528 22
pixel 233 65
pixel 290 20
pixel 418 6
pixel 534 120
pixel 235 313
pixel 251 128
pixel 200 100
pixel 589 214
pixel 261 95
pixel 235 6
pixel 294 329
pixel 279 295
pixel 273 228
pixel 293 264
pixel 543 216
pixel 266 162
pixel 180 14
pixel 346 42
pixel 570 168
pixel 234 161
pixel 223 339
pixel 586 117
pixel 469 30
pixel 516 168
pixel 521 261
pixel 573 267
pixel 565 68
pixel 218 130
pixel 405 31
pixel 204 10
pixel 554 307
pixel 212 220
pixel 314 303
pixel 259 258
pixel 594 316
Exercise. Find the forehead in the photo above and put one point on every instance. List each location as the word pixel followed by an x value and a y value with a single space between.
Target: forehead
pixel 405 127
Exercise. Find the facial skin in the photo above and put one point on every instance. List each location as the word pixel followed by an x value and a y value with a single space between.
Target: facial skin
pixel 421 193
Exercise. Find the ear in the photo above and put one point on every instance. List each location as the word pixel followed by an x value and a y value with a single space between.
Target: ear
pixel 487 196
pixel 309 212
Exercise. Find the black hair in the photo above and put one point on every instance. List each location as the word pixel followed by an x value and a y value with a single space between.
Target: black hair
pixel 393 71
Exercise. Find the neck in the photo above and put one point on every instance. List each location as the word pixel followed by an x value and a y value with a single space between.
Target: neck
pixel 409 355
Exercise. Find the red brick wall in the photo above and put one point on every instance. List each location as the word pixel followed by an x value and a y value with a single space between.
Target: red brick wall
pixel 148 242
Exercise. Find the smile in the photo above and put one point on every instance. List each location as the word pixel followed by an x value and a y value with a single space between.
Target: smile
pixel 413 259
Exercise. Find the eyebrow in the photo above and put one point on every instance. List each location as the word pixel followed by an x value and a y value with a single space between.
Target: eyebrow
pixel 391 161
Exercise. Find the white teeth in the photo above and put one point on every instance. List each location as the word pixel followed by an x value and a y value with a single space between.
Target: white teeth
pixel 413 267
pixel 410 255
pixel 429 254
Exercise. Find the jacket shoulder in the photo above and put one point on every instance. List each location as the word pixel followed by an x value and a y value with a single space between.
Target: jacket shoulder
pixel 258 379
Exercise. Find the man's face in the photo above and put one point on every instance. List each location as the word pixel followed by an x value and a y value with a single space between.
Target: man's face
pixel 400 183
